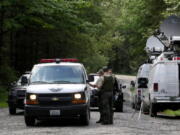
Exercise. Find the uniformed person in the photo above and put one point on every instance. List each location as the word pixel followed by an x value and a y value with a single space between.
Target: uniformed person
pixel 107 97
pixel 98 85
pixel 105 84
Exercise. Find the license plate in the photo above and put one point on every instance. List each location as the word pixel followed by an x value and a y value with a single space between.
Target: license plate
pixel 55 112
pixel 172 98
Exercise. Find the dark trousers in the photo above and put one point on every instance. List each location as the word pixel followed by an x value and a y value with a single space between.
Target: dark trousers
pixel 107 107
pixel 100 105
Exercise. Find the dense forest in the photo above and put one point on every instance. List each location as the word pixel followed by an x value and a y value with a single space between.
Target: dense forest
pixel 97 32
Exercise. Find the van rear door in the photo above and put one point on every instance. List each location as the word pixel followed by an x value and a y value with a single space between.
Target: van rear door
pixel 172 80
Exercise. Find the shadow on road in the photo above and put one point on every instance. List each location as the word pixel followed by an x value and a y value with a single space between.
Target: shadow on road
pixel 168 117
pixel 58 123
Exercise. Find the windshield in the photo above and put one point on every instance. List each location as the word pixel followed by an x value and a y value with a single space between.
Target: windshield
pixel 57 75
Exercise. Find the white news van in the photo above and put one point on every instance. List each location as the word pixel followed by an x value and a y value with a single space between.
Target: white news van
pixel 164 88
pixel 141 85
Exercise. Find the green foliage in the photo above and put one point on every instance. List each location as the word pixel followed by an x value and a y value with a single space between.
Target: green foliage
pixel 7 74
pixel 3 97
pixel 98 32
pixel 171 113
pixel 131 22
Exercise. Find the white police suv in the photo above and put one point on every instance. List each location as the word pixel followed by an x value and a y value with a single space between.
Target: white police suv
pixel 57 89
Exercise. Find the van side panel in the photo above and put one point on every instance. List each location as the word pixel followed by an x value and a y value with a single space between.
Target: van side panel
pixel 172 81
pixel 166 75
pixel 179 77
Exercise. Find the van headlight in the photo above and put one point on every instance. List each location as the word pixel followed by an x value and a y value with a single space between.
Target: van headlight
pixel 33 97
pixel 77 96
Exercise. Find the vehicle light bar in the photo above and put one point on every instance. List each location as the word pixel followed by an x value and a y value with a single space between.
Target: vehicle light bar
pixel 58 60
pixel 69 60
pixel 47 60
pixel 176 58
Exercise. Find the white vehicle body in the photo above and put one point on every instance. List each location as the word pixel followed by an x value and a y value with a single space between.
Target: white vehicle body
pixel 140 90
pixel 164 89
pixel 57 90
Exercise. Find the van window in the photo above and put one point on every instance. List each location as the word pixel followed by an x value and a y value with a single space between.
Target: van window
pixel 142 83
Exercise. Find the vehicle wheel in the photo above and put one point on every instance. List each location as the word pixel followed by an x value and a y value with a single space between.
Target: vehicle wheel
pixel 12 110
pixel 152 110
pixel 136 104
pixel 119 107
pixel 30 121
pixel 85 118
pixel 145 108
pixel 133 105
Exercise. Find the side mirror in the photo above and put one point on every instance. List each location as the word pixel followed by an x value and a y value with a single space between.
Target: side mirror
pixel 132 84
pixel 90 78
pixel 24 80
pixel 13 84
pixel 123 87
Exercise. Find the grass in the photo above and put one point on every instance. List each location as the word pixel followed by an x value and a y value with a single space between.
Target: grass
pixel 3 97
pixel 172 113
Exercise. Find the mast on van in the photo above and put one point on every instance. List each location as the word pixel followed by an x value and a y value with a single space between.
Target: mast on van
pixel 166 39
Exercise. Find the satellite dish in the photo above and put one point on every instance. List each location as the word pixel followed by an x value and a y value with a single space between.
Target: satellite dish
pixel 171 26
pixel 154 46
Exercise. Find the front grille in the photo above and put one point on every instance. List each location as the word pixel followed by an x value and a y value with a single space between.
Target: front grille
pixel 21 93
pixel 55 99
pixel 55 95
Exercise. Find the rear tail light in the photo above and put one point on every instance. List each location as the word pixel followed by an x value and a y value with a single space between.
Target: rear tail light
pixel 155 87
pixel 176 58
pixel 139 92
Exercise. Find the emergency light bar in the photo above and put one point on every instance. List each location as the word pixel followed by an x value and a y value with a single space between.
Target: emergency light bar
pixel 176 58
pixel 58 60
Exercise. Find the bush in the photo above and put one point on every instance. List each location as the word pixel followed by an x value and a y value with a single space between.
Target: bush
pixel 3 96
pixel 7 74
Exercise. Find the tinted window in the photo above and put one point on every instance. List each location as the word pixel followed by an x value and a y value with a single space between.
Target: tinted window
pixel 142 82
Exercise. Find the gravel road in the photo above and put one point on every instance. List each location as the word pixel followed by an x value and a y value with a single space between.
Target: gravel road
pixel 124 124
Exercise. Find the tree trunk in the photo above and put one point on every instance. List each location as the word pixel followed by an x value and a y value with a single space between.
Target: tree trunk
pixel 1 31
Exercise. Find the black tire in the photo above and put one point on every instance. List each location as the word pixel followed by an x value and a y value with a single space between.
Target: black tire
pixel 152 110
pixel 119 103
pixel 133 105
pixel 85 118
pixel 119 107
pixel 30 121
pixel 12 110
pixel 145 108
pixel 137 104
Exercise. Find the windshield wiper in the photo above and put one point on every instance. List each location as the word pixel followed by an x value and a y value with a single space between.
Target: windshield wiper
pixel 63 82
pixel 40 82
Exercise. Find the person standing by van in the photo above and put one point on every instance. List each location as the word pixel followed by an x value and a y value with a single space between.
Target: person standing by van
pixel 105 84
pixel 107 97
pixel 98 85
